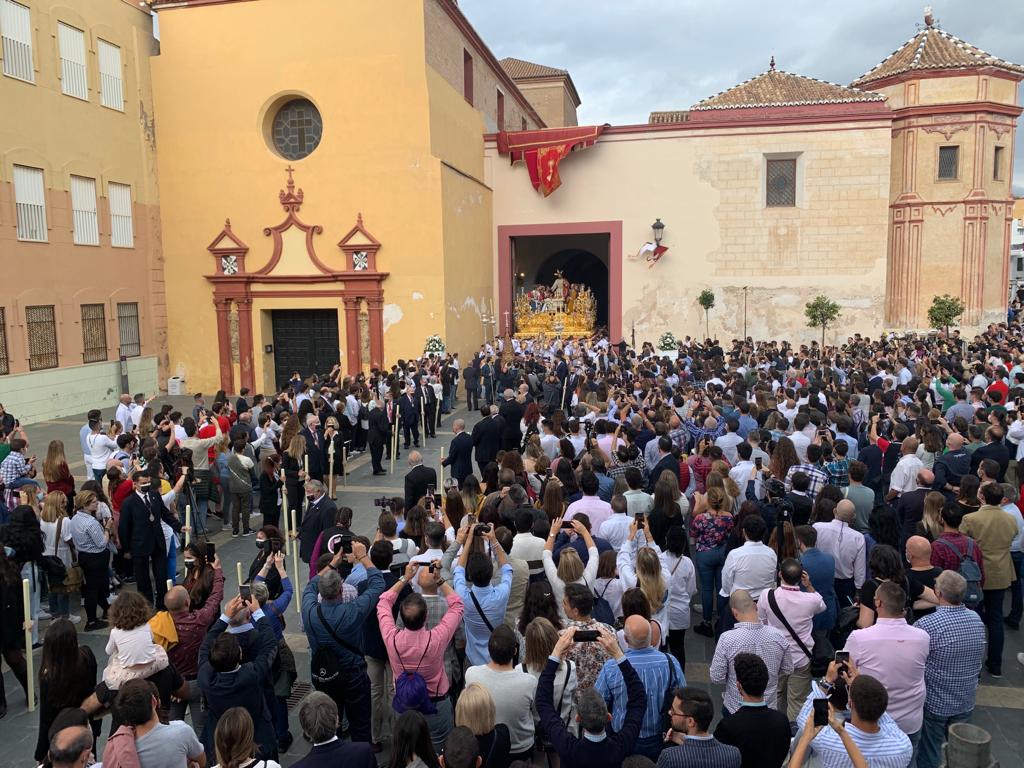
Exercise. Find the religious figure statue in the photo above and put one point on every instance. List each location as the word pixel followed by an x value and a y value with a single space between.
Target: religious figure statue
pixel 562 307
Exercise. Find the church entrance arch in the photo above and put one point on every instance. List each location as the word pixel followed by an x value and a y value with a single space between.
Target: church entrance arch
pixel 585 253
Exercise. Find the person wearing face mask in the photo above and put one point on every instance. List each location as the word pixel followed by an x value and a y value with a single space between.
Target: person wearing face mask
pixel 142 537
pixel 199 575
pixel 269 541
pixel 319 515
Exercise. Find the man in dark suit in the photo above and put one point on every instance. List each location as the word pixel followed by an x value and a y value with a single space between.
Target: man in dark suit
pixel 378 435
pixel 471 375
pixel 428 397
pixel 226 681
pixel 995 449
pixel 665 461
pixel 487 436
pixel 316 447
pixel 460 454
pixel 511 411
pixel 391 409
pixel 417 480
pixel 142 538
pixel 910 506
pixel 318 718
pixel 409 408
pixel 318 517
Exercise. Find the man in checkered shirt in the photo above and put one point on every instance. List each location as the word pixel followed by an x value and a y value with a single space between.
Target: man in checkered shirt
pixel 813 470
pixel 749 636
pixel 955 654
pixel 16 470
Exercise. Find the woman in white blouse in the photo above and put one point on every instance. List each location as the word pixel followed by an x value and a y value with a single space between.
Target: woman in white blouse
pixel 642 567
pixel 541 637
pixel 570 569
pixel 682 584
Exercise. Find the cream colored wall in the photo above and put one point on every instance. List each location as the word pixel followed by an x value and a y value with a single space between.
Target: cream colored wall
pixel 66 136
pixel 375 156
pixel 707 187
pixel 444 44
pixel 552 102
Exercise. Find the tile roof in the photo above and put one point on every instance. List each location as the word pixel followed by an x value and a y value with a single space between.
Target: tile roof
pixel 775 88
pixel 934 48
pixel 518 69
pixel 664 118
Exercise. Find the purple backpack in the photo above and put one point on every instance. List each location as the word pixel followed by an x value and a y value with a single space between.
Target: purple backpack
pixel 410 687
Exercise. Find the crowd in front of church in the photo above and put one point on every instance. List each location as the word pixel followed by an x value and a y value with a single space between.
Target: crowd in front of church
pixel 840 524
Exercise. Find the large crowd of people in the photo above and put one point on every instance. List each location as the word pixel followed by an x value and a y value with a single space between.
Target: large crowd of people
pixel 840 523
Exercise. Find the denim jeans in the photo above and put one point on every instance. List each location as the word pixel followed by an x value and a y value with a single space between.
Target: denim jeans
pixel 709 569
pixel 1015 588
pixel 59 604
pixel 440 723
pixel 933 736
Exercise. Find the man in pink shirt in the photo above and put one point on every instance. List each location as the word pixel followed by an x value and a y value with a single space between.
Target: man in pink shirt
pixel 799 609
pixel 895 653
pixel 414 648
pixel 591 505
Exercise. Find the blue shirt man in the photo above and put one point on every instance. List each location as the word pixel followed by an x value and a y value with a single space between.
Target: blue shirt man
pixel 821 569
pixel 659 672
pixel 485 604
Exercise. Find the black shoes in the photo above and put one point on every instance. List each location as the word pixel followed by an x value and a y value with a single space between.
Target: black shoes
pixel 704 629
pixel 91 626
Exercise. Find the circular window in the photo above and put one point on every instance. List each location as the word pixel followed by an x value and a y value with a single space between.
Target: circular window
pixel 297 129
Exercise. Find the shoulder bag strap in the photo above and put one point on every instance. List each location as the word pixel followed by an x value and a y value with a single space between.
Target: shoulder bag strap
pixel 949 545
pixel 671 672
pixel 773 603
pixel 673 571
pixel 565 684
pixel 330 630
pixel 476 603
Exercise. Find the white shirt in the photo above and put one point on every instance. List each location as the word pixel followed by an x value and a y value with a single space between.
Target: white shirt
pixel 526 546
pixel 800 442
pixel 682 585
pixel 904 474
pixel 615 529
pixel 846 546
pixel 101 449
pixel 751 567
pixel 549 444
pixel 123 414
pixel 740 475
pixel 728 443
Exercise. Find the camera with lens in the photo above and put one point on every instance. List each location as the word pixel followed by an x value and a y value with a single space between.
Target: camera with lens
pixel 384 502
pixel 481 529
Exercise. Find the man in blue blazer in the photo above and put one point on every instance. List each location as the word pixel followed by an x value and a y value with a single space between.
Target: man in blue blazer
pixel 460 453
pixel 318 718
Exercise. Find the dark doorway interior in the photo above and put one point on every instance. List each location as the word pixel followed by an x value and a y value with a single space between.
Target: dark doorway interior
pixel 305 340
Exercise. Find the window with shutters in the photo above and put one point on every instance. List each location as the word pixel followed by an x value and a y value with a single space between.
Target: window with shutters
pixel 949 163
pixel 128 329
pixel 121 234
pixel 16 38
pixel 30 202
pixel 780 183
pixel 73 78
pixel 84 222
pixel 41 322
pixel 111 87
pixel 94 333
pixel 5 361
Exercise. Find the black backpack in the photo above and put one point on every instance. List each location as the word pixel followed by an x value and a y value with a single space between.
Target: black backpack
pixel 602 608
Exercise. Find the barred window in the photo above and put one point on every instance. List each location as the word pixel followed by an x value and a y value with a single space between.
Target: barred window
pixel 94 333
pixel 16 39
pixel 128 329
pixel 121 231
pixel 5 361
pixel 111 86
pixel 41 321
pixel 949 162
pixel 780 187
pixel 73 78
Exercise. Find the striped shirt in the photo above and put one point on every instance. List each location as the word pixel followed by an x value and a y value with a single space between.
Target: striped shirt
pixel 771 644
pixel 701 752
pixel 87 533
pixel 889 748
pixel 652 667
pixel 818 476
pixel 955 653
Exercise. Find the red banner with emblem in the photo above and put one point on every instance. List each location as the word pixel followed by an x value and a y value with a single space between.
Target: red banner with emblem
pixel 543 150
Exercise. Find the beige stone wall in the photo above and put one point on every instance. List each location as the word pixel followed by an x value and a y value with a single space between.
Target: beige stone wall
pixel 552 102
pixel 707 187
pixel 44 128
pixel 445 45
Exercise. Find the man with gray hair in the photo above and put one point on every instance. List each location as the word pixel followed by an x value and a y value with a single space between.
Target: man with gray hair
pixel 599 746
pixel 318 517
pixel 335 632
pixel 460 452
pixel 659 672
pixel 847 547
pixel 318 718
pixel 316 448
pixel 956 650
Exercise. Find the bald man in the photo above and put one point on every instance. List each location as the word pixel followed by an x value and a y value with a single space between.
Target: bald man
pixel 847 547
pixel 658 672
pixel 919 554
pixel 418 480
pixel 460 452
pixel 951 466
pixel 904 474
pixel 910 506
pixel 191 623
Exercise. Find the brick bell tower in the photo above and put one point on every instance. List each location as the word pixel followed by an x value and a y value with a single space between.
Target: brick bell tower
pixel 955 110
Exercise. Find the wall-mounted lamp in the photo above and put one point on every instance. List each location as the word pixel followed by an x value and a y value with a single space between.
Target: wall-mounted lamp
pixel 659 229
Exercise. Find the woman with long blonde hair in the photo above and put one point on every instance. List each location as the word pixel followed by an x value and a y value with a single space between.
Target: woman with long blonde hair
pixel 569 562
pixel 931 521
pixel 294 474
pixel 541 637
pixel 641 567
pixel 53 517
pixel 56 472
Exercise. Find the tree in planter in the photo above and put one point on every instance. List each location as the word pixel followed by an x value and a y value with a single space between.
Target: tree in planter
pixel 821 312
pixel 707 301
pixel 945 311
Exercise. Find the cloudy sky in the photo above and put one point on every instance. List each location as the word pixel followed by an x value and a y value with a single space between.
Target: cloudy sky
pixel 630 58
